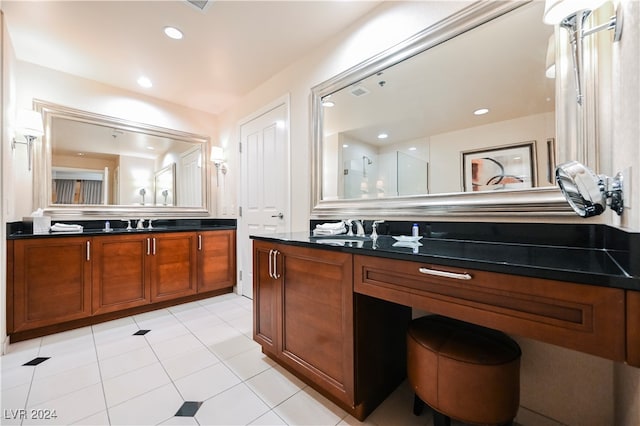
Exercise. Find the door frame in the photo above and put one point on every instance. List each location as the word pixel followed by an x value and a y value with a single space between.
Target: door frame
pixel 241 237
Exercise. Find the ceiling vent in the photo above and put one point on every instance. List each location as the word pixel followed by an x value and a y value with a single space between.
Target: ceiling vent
pixel 359 90
pixel 200 4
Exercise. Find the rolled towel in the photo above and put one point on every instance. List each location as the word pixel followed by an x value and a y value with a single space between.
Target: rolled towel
pixel 65 227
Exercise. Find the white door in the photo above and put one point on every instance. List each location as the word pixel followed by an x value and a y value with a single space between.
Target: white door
pixel 190 191
pixel 264 183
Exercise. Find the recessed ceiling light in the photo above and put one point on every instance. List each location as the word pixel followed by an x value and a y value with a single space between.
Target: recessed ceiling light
pixel 383 136
pixel 345 146
pixel 145 82
pixel 481 111
pixel 173 32
pixel 150 148
pixel 328 104
pixel 413 148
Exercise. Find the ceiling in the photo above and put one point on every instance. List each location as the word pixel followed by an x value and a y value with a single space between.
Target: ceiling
pixel 228 49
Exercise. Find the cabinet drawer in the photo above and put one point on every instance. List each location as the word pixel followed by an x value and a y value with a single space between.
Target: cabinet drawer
pixel 581 317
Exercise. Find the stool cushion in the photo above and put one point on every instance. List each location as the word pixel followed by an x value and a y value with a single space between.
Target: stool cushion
pixel 464 371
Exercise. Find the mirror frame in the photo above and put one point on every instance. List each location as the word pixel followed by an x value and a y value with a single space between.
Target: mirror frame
pixel 544 201
pixel 42 167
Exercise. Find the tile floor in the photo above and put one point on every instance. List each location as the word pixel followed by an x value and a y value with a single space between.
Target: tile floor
pixel 196 365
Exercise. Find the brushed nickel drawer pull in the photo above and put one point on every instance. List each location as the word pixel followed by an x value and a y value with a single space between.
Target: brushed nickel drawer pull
pixel 445 274
pixel 271 264
pixel 88 250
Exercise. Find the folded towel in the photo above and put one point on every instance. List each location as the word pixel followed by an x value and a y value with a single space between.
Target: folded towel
pixel 65 227
pixel 329 231
pixel 332 225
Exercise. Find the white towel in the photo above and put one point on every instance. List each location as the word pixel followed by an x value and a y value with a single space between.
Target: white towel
pixel 331 225
pixel 65 227
pixel 329 231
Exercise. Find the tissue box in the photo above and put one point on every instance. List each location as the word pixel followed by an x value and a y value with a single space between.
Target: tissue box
pixel 38 224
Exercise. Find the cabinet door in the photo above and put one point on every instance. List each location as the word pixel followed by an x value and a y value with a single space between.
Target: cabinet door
pixel 52 281
pixel 172 265
pixel 266 289
pixel 120 279
pixel 317 322
pixel 216 260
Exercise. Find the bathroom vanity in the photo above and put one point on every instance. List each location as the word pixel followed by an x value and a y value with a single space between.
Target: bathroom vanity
pixel 334 311
pixel 65 280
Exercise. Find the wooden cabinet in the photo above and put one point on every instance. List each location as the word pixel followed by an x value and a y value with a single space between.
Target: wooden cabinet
pixel 60 283
pixel 304 318
pixel 586 318
pixel 51 282
pixel 121 278
pixel 216 260
pixel 172 265
pixel 314 333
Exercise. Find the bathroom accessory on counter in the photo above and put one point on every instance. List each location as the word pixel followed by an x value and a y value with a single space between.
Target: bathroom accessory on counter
pixel 589 194
pixel 107 226
pixel 40 223
pixel 336 228
pixel 64 227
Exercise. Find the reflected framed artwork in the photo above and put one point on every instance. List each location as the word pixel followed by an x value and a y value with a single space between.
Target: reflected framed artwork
pixel 504 167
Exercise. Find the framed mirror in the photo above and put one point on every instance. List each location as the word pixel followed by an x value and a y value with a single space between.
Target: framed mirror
pixel 94 165
pixel 407 132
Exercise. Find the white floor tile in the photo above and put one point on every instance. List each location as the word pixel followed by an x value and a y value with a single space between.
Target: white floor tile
pixel 236 406
pixel 275 386
pixel 66 342
pixel 126 386
pixel 204 347
pixel 53 387
pixel 189 362
pixel 166 332
pixel 206 383
pixel 13 400
pixel 233 346
pixel 126 362
pixel 249 363
pixel 151 408
pixel 101 418
pixel 178 346
pixel 181 421
pixel 308 407
pixel 269 419
pixel 56 364
pixel 16 376
pixel 120 346
pixel 68 408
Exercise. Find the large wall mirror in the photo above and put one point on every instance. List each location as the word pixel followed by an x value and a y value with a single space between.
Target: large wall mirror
pixel 91 164
pixel 405 134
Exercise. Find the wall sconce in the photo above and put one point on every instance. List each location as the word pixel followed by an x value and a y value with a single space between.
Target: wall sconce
pixel 217 157
pixel 572 15
pixel 29 125
pixel 589 194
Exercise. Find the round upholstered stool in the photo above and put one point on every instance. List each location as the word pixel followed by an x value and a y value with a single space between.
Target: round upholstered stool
pixel 463 371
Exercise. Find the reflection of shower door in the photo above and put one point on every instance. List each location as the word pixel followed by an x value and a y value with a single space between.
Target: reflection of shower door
pixel 190 180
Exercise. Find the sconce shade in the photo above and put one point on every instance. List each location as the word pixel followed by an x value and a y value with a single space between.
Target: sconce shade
pixel 556 10
pixel 29 123
pixel 217 154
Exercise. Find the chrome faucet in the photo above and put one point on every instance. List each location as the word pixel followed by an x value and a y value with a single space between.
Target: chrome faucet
pixel 359 228
pixel 374 233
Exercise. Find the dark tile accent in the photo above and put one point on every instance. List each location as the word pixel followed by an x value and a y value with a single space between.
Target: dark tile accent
pixel 36 361
pixel 189 409
pixel 141 332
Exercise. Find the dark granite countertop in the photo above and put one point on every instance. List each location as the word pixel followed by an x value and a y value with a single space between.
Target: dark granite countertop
pixel 586 265
pixel 23 230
